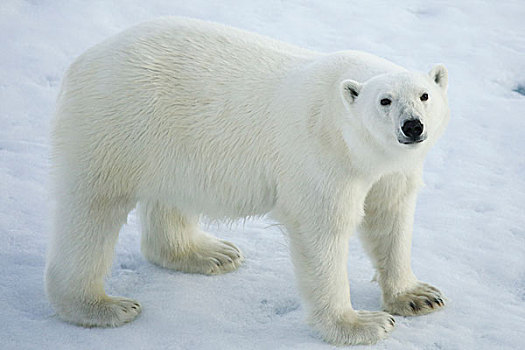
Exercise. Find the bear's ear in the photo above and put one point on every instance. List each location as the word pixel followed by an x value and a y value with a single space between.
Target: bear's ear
pixel 350 89
pixel 439 75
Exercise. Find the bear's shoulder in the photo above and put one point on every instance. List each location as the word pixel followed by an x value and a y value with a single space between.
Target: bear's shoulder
pixel 361 66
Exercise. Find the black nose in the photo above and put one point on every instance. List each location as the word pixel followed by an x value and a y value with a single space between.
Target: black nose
pixel 412 129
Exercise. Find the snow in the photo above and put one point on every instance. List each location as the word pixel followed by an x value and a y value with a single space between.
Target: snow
pixel 469 237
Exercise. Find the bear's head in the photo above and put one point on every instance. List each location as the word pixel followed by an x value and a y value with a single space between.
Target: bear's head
pixel 401 110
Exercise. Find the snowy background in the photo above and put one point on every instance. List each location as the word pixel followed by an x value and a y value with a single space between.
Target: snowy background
pixel 469 237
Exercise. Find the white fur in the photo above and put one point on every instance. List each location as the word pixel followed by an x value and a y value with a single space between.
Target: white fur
pixel 190 118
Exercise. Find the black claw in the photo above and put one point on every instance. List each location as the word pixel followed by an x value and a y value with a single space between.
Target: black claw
pixel 441 302
pixel 429 303
pixel 413 306
pixel 392 321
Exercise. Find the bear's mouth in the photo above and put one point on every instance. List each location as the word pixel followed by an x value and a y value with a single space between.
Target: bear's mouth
pixel 412 141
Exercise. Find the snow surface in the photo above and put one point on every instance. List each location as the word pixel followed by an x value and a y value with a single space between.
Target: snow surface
pixel 469 237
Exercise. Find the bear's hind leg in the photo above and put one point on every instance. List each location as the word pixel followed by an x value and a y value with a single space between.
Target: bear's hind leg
pixel 79 257
pixel 175 241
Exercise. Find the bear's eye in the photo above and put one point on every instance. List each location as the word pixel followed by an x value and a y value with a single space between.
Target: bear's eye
pixel 424 97
pixel 385 102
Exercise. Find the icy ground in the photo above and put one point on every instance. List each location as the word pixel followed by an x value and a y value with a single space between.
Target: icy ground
pixel 469 237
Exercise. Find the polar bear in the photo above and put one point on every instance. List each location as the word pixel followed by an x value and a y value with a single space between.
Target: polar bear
pixel 189 119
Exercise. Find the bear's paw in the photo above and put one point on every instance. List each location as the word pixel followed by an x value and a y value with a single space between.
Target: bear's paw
pixel 358 328
pixel 104 312
pixel 206 255
pixel 419 300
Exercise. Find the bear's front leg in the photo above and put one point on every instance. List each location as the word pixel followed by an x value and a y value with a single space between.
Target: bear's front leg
pixel 386 232
pixel 319 248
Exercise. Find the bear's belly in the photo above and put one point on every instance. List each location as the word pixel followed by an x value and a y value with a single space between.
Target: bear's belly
pixel 215 194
